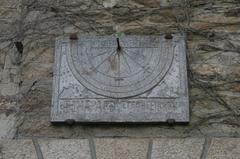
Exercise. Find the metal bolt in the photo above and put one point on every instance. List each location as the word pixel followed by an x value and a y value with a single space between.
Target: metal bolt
pixel 168 36
pixel 70 121
pixel 171 121
pixel 73 37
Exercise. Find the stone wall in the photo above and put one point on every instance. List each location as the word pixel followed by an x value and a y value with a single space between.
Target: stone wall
pixel 213 42
pixel 109 148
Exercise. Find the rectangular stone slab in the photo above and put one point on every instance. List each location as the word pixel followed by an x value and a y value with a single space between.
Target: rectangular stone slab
pixel 143 81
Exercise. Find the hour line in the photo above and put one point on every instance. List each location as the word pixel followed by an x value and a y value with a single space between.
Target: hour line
pixel 125 59
pixel 104 60
pixel 143 67
pixel 100 54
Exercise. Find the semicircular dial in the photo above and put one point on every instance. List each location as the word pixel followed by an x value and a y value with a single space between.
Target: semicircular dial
pixel 120 68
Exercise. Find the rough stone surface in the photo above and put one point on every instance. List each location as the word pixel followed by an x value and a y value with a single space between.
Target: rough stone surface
pixel 213 36
pixel 121 148
pixel 17 149
pixel 224 148
pixel 7 126
pixel 65 149
pixel 177 148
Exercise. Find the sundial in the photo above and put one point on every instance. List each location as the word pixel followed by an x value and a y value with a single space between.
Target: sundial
pixel 120 67
pixel 120 79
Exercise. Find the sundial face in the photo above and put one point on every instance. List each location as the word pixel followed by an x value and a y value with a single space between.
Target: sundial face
pixel 120 67
pixel 126 79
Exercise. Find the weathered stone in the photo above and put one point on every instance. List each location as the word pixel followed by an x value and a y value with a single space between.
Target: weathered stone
pixel 213 70
pixel 121 148
pixel 9 89
pixel 224 148
pixel 65 148
pixel 189 148
pixel 212 28
pixel 206 69
pixel 41 55
pixel 36 71
pixel 17 149
pixel 9 3
pixel 109 3
pixel 218 128
pixel 114 85
pixel 7 125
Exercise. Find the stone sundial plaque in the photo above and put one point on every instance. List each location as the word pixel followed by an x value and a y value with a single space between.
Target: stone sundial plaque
pixel 125 79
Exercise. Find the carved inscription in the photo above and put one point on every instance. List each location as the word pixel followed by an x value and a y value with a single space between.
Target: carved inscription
pixel 116 106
